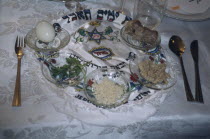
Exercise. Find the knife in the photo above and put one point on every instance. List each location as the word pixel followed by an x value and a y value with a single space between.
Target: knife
pixel 198 90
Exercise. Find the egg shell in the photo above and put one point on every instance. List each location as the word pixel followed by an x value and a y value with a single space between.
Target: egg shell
pixel 45 31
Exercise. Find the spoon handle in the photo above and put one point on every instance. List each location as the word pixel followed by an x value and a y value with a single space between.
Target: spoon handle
pixel 198 91
pixel 186 84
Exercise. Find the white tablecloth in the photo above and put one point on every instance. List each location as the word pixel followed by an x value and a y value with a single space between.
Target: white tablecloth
pixel 39 117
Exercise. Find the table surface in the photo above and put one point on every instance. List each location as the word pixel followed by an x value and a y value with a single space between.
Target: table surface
pixel 38 118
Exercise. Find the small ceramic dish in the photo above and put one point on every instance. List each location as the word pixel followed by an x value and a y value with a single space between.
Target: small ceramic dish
pixel 112 76
pixel 156 74
pixel 61 39
pixel 63 70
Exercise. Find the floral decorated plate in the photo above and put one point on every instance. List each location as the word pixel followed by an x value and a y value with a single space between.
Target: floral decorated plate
pixel 61 39
pixel 116 88
pixel 139 45
pixel 154 72
pixel 63 70
pixel 102 53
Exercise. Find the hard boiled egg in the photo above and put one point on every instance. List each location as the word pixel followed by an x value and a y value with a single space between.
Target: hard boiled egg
pixel 45 31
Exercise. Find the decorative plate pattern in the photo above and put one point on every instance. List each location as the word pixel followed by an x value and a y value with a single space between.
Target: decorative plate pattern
pixel 158 59
pixel 95 39
pixel 62 38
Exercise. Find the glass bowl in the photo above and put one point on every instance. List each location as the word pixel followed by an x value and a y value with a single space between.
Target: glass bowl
pixel 142 46
pixel 99 77
pixel 62 38
pixel 152 77
pixel 63 70
pixel 150 12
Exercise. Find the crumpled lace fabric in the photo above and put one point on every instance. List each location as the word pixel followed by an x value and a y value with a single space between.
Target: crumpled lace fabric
pixel 65 118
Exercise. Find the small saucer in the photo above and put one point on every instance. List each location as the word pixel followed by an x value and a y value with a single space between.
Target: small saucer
pixel 63 70
pixel 62 38
pixel 142 46
pixel 157 59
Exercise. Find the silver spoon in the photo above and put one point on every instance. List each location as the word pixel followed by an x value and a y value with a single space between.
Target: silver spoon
pixel 177 46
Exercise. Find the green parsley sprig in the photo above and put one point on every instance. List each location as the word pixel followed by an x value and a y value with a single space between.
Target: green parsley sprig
pixel 72 69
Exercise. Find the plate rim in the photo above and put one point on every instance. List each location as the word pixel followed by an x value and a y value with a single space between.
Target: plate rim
pixel 46 49
pixel 185 17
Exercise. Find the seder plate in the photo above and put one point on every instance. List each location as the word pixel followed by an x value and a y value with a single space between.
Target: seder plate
pixel 95 39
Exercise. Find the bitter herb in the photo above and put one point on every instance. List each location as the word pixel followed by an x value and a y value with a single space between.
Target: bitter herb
pixel 68 71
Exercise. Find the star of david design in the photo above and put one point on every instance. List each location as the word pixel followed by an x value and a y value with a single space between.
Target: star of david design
pixel 96 36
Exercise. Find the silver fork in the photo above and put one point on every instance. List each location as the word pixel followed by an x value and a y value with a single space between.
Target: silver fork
pixel 19 44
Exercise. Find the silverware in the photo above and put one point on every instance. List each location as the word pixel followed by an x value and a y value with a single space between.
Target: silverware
pixel 194 52
pixel 177 46
pixel 19 44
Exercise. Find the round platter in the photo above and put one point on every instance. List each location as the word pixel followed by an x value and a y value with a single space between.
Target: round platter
pixel 95 39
